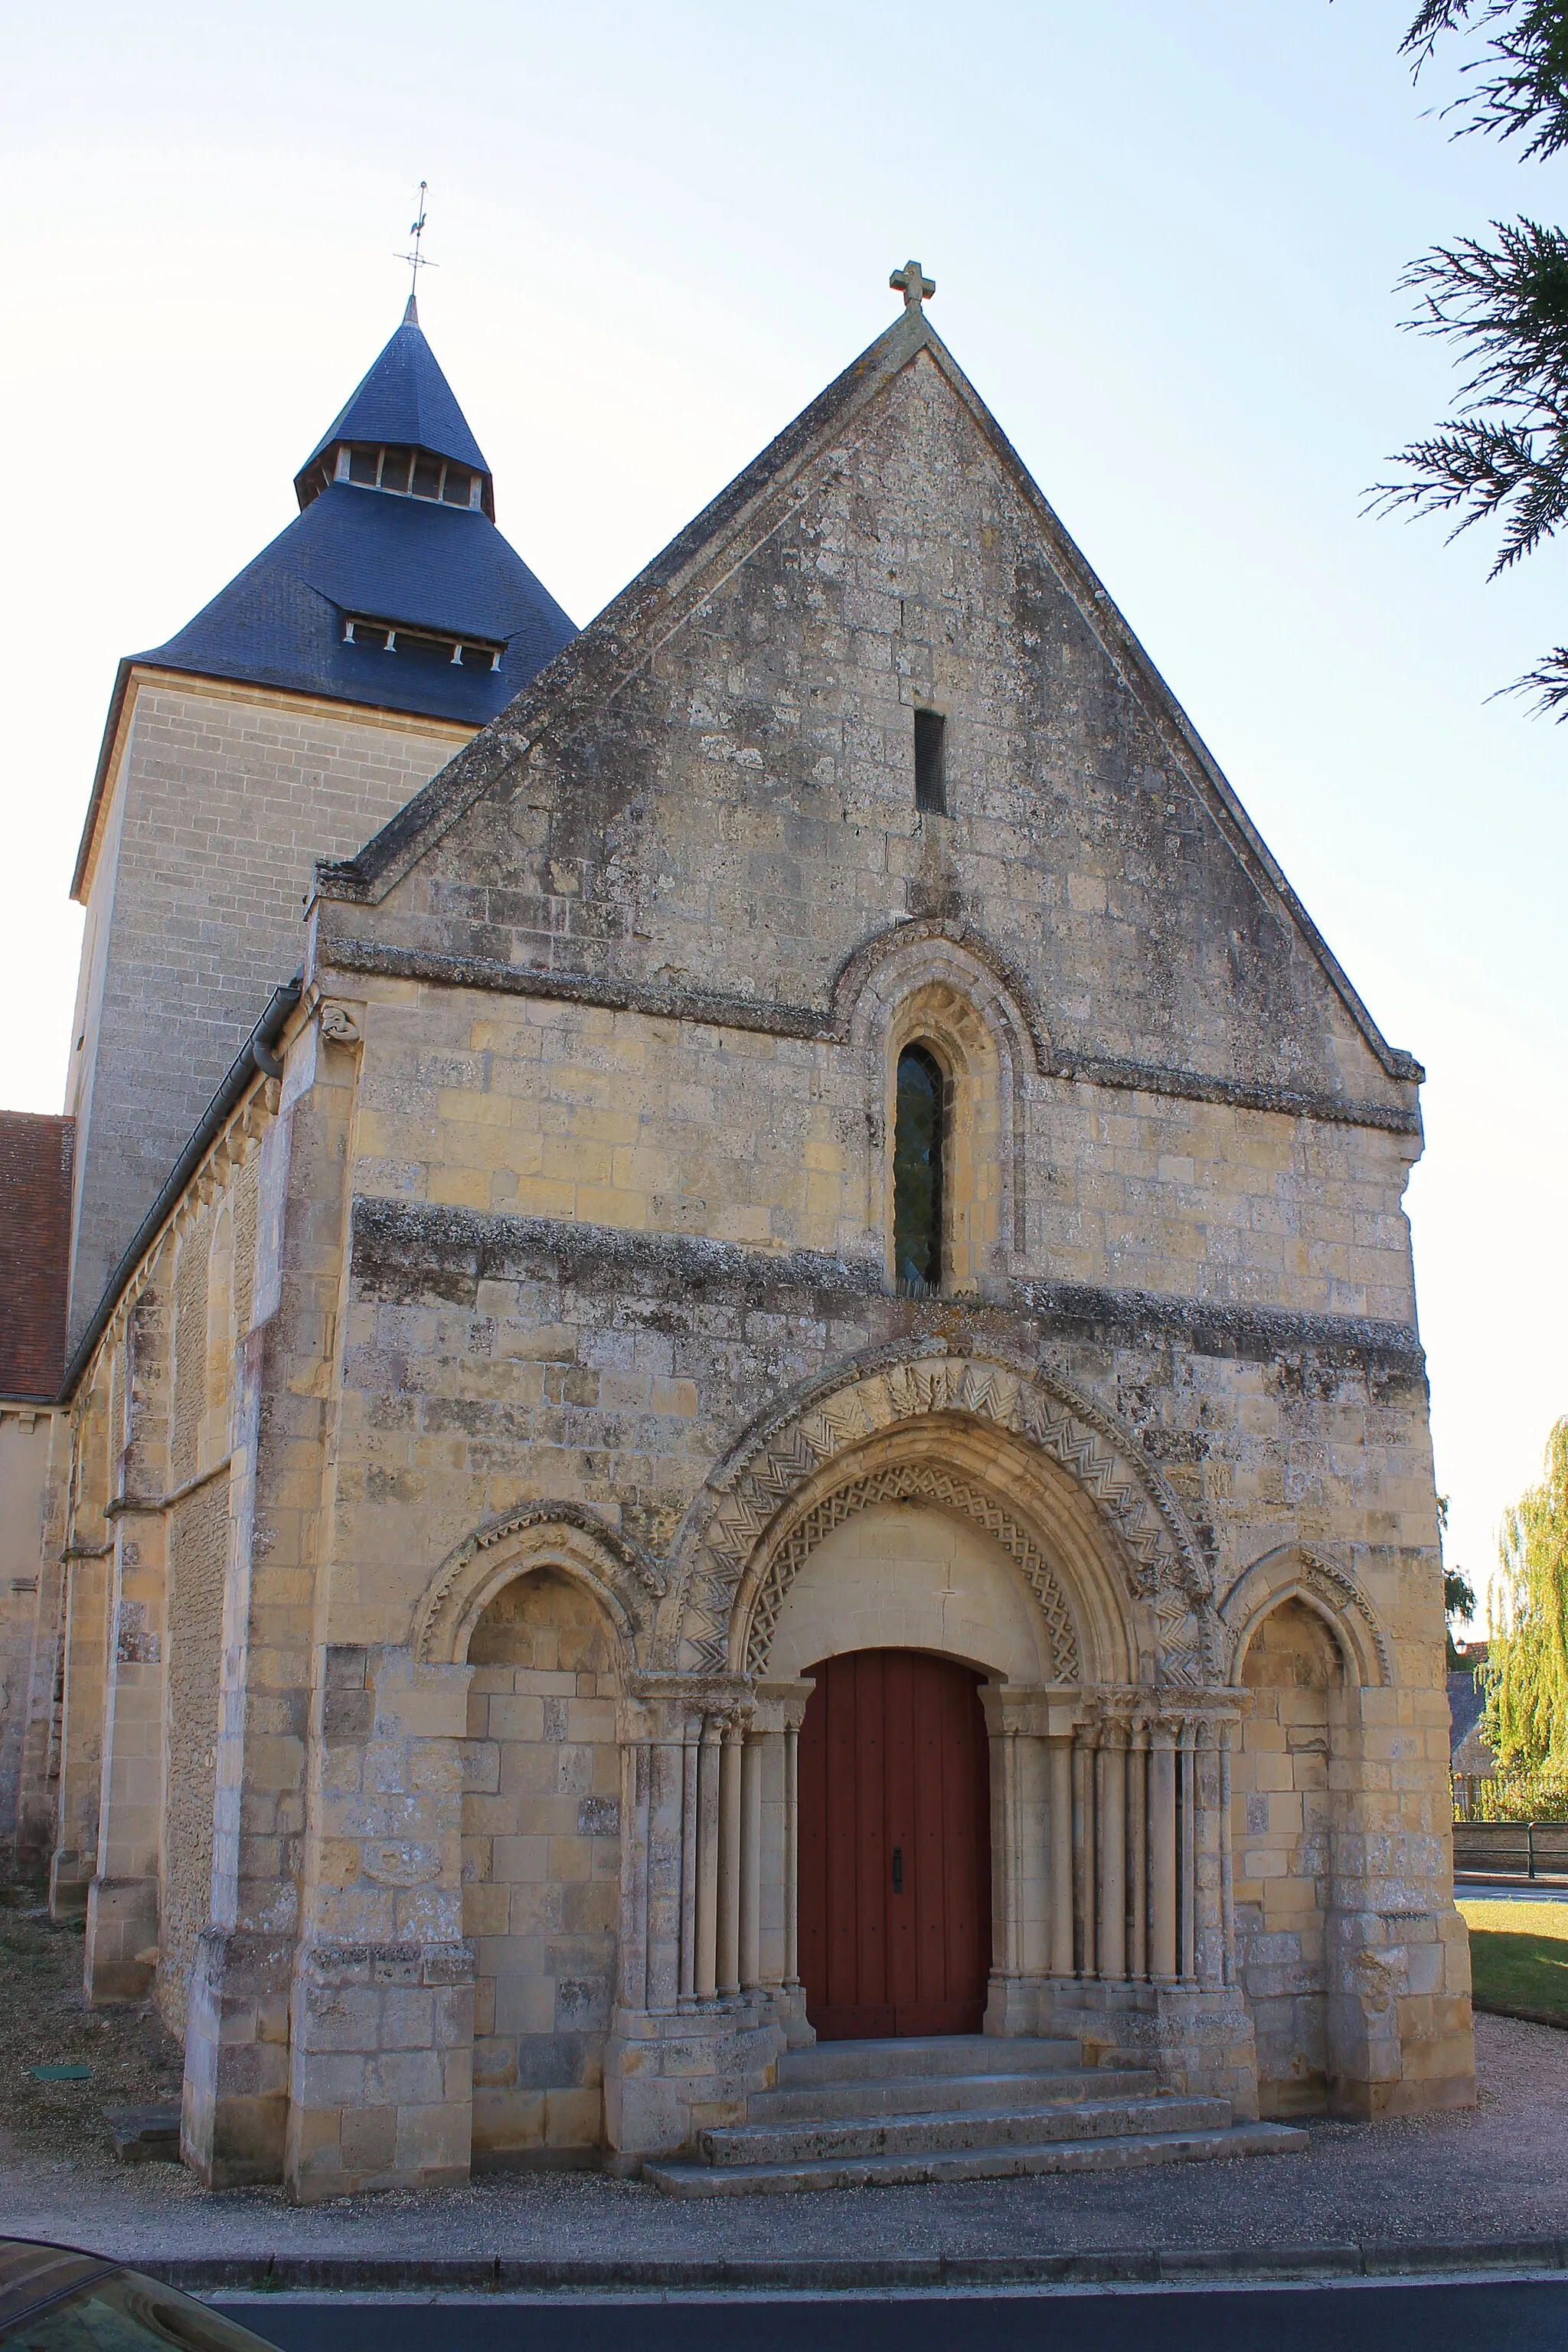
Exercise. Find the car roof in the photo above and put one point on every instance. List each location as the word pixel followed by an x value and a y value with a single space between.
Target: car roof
pixel 32 2273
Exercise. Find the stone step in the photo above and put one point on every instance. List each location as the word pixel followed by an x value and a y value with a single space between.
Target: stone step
pixel 942 2093
pixel 687 2179
pixel 946 2053
pixel 936 2135
pixel 146 2135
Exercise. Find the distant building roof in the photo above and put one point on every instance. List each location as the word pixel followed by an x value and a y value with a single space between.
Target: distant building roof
pixel 1466 1702
pixel 35 1247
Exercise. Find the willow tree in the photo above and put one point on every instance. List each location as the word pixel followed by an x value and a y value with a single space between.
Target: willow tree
pixel 1526 1723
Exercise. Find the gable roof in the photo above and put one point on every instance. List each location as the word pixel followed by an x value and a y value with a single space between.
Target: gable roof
pixel 34 1251
pixel 404 397
pixel 628 634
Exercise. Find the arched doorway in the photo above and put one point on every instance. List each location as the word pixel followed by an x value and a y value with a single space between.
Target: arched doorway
pixel 895 1847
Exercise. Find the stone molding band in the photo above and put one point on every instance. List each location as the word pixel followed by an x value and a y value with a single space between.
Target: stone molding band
pixel 337 953
pixel 451 1250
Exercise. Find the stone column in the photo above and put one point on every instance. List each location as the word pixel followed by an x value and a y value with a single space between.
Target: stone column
pixel 88 1551
pixel 637 1801
pixel 1083 1828
pixel 122 1903
pixel 668 1929
pixel 1034 1832
pixel 1114 1852
pixel 1187 1762
pixel 1058 1802
pixel 1137 1851
pixel 1208 1863
pixel 690 1739
pixel 730 1816
pixel 235 2128
pixel 122 1956
pixel 1004 1925
pixel 750 1861
pixel 1228 1856
pixel 705 1986
pixel 779 1710
pixel 1163 1922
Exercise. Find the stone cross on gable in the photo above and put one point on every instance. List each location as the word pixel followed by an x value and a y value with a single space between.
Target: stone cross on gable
pixel 909 282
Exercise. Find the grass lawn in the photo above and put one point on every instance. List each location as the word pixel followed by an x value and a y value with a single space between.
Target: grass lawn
pixel 1519 1955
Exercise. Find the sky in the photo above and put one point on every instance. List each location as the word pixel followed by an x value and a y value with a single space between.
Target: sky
pixel 1165 242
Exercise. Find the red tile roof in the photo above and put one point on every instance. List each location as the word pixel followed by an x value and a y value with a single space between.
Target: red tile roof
pixel 35 1249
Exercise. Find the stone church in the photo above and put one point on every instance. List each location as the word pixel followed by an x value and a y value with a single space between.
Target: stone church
pixel 736 1479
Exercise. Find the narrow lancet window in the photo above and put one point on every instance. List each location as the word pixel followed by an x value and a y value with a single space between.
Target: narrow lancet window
pixel 930 768
pixel 917 1175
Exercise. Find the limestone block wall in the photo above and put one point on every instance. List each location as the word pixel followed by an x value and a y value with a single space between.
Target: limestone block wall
pixel 542 1867
pixel 492 1360
pixel 198 1557
pixel 219 799
pixel 25 1434
pixel 1283 1837
pixel 588 1116
pixel 382 2008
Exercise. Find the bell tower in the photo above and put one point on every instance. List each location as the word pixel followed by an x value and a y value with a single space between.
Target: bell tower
pixel 299 711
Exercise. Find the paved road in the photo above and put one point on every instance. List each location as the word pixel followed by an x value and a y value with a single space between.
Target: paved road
pixel 1528 2315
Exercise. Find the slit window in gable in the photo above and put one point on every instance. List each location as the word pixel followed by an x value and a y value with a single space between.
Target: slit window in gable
pixel 931 762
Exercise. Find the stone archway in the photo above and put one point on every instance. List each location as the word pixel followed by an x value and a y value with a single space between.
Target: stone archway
pixel 1295 1671
pixel 946 1495
pixel 1304 1640
pixel 542 1865
pixel 566 1535
pixel 1140 1591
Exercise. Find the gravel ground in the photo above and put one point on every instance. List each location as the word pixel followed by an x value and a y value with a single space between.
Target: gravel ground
pixel 45 2021
pixel 1497 2173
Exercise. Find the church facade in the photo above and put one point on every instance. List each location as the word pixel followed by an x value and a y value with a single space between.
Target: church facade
pixel 779 1403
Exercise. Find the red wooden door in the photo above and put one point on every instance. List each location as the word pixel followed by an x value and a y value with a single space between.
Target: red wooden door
pixel 895 1847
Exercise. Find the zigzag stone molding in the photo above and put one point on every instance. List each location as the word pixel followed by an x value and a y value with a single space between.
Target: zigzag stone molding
pixel 1158 1553
pixel 1338 1590
pixel 1342 1593
pixel 903 1483
pixel 635 1577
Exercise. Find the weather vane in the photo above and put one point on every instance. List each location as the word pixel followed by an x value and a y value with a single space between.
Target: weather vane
pixel 416 260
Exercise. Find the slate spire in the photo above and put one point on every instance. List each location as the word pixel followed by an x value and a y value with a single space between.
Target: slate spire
pixel 404 401
pixel 392 587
